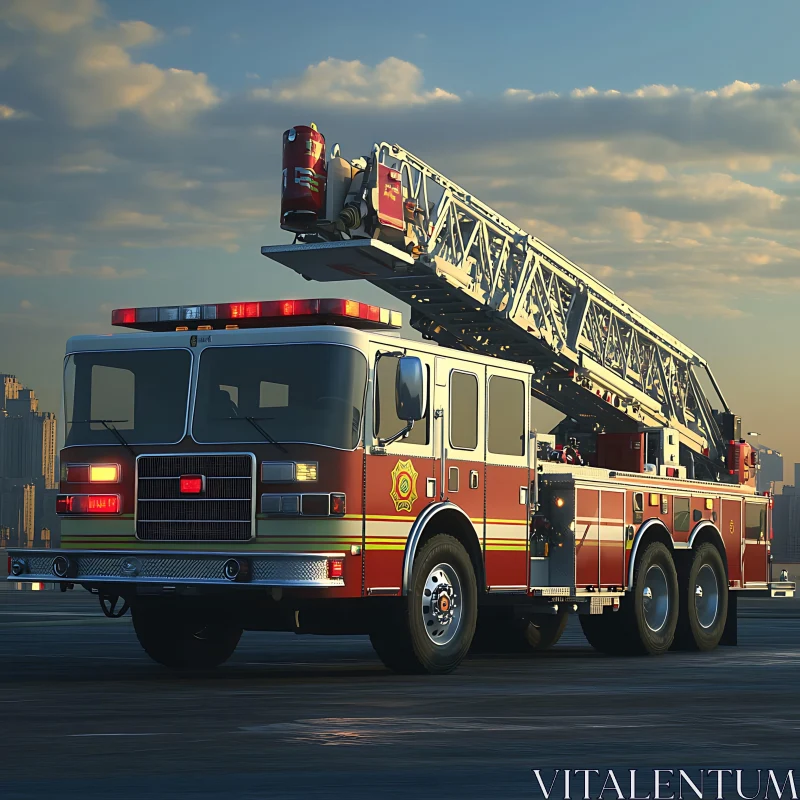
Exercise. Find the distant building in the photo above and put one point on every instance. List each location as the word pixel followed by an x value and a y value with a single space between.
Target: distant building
pixel 786 521
pixel 28 460
pixel 29 514
pixel 11 387
pixel 770 471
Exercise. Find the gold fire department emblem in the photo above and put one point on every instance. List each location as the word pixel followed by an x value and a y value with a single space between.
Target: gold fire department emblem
pixel 404 485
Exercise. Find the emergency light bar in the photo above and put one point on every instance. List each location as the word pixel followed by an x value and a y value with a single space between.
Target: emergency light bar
pixel 263 314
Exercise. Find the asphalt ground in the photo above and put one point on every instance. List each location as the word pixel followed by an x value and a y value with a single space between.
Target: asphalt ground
pixel 84 713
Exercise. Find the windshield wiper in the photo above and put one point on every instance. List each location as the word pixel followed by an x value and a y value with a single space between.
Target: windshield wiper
pixel 267 436
pixel 108 424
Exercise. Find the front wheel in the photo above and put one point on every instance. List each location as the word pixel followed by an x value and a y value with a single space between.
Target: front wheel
pixel 432 629
pixel 184 639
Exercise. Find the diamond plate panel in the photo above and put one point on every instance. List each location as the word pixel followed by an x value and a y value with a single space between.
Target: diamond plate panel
pixel 291 569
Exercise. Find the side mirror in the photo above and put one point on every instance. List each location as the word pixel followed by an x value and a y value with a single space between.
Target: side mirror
pixel 410 399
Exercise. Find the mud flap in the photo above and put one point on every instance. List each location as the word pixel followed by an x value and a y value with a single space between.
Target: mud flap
pixel 730 636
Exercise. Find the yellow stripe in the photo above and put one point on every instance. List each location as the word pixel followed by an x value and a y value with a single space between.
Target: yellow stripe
pixel 506 549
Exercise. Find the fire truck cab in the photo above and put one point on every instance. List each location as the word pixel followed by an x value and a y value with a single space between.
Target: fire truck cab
pixel 299 466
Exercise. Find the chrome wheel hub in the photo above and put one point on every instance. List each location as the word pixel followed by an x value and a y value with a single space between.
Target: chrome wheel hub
pixel 706 596
pixel 655 598
pixel 441 604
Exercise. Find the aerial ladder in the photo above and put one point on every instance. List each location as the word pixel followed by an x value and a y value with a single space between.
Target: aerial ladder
pixel 476 281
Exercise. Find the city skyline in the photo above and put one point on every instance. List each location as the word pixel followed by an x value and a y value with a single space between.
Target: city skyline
pixel 28 472
pixel 142 162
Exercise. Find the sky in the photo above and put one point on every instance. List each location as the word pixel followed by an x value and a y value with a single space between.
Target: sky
pixel 657 145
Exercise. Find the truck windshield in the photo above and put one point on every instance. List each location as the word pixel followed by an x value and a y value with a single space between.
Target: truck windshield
pixel 310 393
pixel 142 394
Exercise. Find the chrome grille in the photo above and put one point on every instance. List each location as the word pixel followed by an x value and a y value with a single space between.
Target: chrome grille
pixel 224 512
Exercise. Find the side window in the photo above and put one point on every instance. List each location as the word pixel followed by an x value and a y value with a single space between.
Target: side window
pixel 387 422
pixel 112 398
pixel 463 411
pixel 680 510
pixel 506 416
pixel 755 521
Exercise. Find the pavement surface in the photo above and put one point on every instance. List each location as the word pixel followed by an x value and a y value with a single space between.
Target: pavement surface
pixel 84 713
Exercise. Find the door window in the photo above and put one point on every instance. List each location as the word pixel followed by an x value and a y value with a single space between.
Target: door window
pixel 387 423
pixel 463 410
pixel 506 416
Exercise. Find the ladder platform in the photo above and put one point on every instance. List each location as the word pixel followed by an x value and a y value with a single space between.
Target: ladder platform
pixel 354 259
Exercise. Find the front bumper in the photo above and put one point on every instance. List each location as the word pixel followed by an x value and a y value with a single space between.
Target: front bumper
pixel 168 568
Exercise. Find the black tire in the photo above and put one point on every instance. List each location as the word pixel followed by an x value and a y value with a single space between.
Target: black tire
pixel 645 640
pixel 543 631
pixel 642 626
pixel 700 626
pixel 184 639
pixel 527 635
pixel 402 641
pixel 606 632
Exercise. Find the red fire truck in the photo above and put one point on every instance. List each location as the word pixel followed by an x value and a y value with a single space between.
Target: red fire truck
pixel 299 465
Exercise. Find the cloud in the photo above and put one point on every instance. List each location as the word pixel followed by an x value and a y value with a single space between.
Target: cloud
pixel 126 218
pixel 49 16
pixel 59 55
pixel 6 112
pixel 170 181
pixel 630 223
pixel 86 161
pixel 392 82
pixel 107 272
pixel 59 264
pixel 10 270
pixel 25 305
pixel 659 191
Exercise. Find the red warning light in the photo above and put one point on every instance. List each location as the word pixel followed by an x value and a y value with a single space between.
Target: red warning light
pixel 192 484
pixel 123 316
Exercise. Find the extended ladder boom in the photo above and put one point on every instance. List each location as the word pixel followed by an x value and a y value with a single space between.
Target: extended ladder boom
pixel 476 281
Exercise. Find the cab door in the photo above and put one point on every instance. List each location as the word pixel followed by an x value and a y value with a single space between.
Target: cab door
pixel 755 566
pixel 460 408
pixel 507 479
pixel 400 478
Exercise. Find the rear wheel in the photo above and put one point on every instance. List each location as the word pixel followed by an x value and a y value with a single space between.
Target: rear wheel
pixel 605 632
pixel 646 621
pixel 704 600
pixel 432 629
pixel 184 639
pixel 526 635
